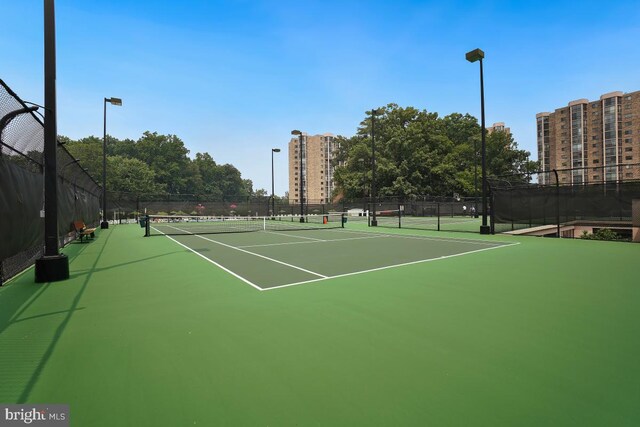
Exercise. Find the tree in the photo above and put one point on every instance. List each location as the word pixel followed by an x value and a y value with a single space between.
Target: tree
pixel 419 153
pixel 130 176
pixel 89 153
pixel 167 157
pixel 230 182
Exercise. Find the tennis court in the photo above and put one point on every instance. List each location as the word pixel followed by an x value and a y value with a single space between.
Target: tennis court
pixel 409 327
pixel 271 259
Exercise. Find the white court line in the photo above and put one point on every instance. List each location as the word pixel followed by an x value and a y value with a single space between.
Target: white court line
pixel 385 268
pixel 216 264
pixel 289 235
pixel 439 239
pixel 323 277
pixel 252 253
pixel 315 241
pixel 262 256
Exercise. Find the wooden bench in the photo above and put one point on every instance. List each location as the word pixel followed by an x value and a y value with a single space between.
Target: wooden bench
pixel 82 231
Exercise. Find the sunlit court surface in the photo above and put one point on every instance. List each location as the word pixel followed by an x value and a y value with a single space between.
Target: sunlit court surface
pixel 276 259
pixel 339 326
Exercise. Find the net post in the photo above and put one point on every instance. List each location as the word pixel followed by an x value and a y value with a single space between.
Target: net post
pixel 399 216
pixel 438 210
pixel 264 224
pixel 147 226
pixel 343 218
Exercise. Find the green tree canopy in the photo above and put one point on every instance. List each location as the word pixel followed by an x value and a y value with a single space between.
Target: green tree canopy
pixel 420 153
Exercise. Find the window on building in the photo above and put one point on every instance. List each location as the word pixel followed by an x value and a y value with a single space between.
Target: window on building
pixel 596 161
pixel 628 149
pixel 628 132
pixel 628 140
pixel 627 98
pixel 628 157
pixel 629 174
pixel 596 177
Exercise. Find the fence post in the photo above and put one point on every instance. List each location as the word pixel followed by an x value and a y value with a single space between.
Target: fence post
pixel 557 201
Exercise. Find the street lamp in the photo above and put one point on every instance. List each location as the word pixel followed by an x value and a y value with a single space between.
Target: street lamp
pixel 374 221
pixel 473 56
pixel 297 132
pixel 113 101
pixel 273 200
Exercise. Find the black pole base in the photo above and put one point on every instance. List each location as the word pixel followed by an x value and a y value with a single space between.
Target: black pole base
pixel 52 268
pixel 374 222
pixel 104 224
pixel 485 229
pixel 301 219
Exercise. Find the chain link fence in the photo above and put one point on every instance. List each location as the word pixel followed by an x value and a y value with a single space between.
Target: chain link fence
pixel 22 187
pixel 553 206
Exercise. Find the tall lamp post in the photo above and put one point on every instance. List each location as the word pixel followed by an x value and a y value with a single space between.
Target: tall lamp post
pixel 300 152
pixel 113 101
pixel 53 265
pixel 273 200
pixel 473 56
pixel 374 221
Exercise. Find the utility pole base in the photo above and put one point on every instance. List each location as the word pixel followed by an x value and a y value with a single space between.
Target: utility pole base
pixel 374 223
pixel 104 224
pixel 52 268
pixel 485 229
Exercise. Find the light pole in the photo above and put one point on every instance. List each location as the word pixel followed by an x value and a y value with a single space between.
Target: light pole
pixel 475 178
pixel 53 265
pixel 113 101
pixel 473 56
pixel 273 200
pixel 374 221
pixel 297 132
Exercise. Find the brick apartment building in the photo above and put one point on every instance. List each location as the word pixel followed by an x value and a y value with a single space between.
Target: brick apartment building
pixel 599 140
pixel 317 155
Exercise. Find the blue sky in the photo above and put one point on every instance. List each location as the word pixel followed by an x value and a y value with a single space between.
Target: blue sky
pixel 233 78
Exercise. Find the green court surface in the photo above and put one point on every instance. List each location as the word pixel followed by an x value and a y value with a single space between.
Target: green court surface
pixel 406 327
pixel 277 259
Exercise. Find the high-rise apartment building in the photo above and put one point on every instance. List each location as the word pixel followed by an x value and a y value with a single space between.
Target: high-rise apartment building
pixel 598 140
pixel 315 160
pixel 498 127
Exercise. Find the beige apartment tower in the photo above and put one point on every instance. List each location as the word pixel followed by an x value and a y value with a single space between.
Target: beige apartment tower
pixel 315 161
pixel 598 140
pixel 500 126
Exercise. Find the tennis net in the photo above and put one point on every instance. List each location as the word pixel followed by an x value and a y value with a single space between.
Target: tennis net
pixel 188 224
pixel 401 219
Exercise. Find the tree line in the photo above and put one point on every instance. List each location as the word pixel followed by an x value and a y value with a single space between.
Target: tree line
pixel 159 164
pixel 419 153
